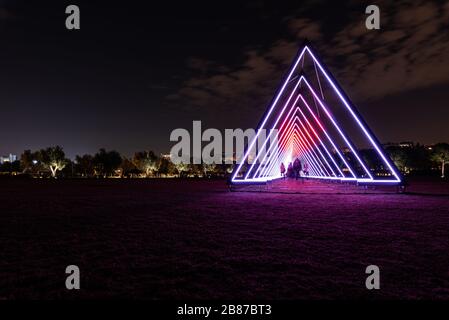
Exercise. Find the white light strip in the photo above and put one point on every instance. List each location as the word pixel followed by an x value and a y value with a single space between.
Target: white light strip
pixel 379 151
pixel 338 129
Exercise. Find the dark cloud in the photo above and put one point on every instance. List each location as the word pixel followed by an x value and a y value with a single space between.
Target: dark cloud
pixel 409 52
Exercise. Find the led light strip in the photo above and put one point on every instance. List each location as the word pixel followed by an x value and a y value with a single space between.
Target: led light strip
pixel 304 154
pixel 301 140
pixel 281 129
pixel 292 69
pixel 328 137
pixel 258 172
pixel 274 126
pixel 321 142
pixel 313 151
pixel 379 151
pixel 294 129
pixel 317 147
pixel 276 153
pixel 297 108
pixel 338 128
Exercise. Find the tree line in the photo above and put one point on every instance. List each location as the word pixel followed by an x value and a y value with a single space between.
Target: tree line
pixel 52 162
pixel 414 159
pixel 420 159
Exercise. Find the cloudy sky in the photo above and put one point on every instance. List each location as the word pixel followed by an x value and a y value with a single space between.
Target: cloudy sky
pixel 136 71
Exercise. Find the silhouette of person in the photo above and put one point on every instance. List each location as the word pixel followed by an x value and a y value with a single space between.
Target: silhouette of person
pixel 306 169
pixel 290 170
pixel 296 168
pixel 282 170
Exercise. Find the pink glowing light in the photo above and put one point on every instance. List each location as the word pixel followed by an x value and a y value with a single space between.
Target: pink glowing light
pixel 276 153
pixel 298 137
pixel 292 70
pixel 321 142
pixel 328 137
pixel 371 139
pixel 338 128
pixel 274 126
pixel 282 130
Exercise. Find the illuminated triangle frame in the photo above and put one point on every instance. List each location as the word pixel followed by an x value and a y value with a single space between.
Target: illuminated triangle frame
pixel 322 165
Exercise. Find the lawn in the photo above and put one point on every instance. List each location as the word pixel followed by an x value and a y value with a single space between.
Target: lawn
pixel 193 239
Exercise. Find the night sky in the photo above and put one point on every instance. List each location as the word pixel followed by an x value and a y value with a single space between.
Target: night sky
pixel 135 71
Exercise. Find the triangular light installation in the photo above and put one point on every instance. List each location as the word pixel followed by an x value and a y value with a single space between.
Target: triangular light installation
pixel 312 119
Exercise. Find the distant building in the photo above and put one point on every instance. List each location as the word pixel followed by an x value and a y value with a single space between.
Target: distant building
pixel 406 144
pixel 10 158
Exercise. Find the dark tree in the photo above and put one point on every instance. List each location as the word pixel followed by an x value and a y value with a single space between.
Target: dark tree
pixel 418 158
pixel 106 162
pixel 128 168
pixel 10 167
pixel 84 165
pixel 165 167
pixel 399 157
pixel 29 161
pixel 372 159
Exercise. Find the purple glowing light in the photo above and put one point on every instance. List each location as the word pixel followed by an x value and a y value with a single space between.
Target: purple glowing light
pixel 373 142
pixel 292 69
pixel 296 136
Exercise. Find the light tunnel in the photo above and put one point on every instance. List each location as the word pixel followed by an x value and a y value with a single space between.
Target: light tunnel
pixel 304 124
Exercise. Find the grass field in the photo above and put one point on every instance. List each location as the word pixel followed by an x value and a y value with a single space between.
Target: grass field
pixel 179 239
